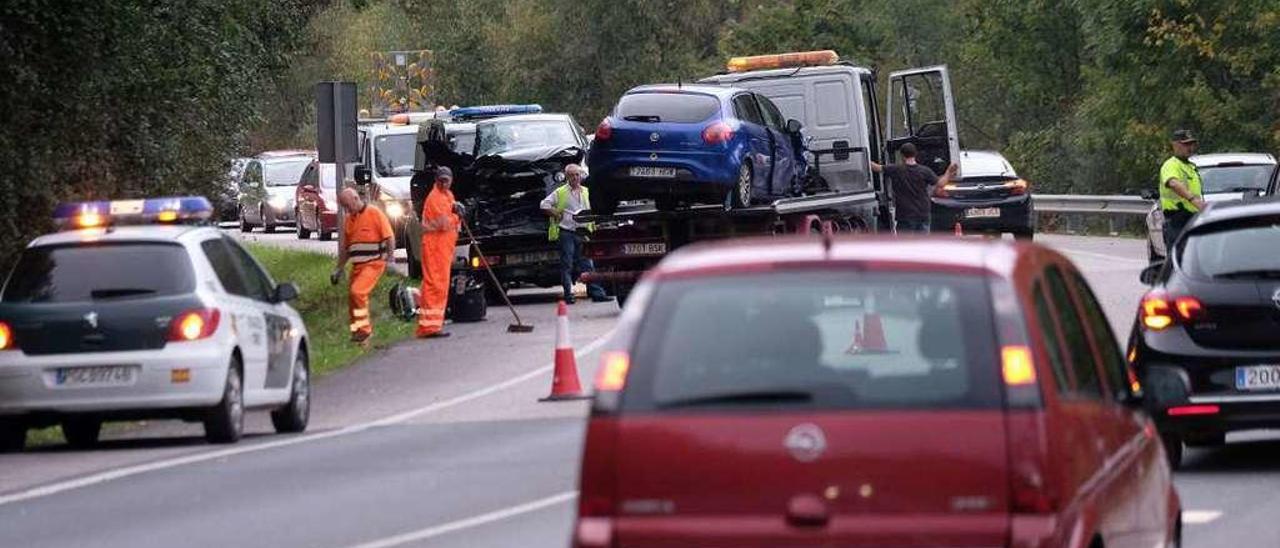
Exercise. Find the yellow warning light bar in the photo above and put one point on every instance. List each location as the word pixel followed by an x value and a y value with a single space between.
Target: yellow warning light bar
pixel 784 60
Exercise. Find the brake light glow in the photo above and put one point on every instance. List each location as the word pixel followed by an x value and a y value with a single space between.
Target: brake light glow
pixel 194 324
pixel 1159 310
pixel 613 372
pixel 1016 365
pixel 1017 186
pixel 717 133
pixel 6 337
pixel 1188 308
pixel 604 131
pixel 1192 410
pixel 783 60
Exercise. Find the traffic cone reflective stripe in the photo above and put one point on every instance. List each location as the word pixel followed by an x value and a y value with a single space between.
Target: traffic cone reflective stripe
pixel 564 383
pixel 873 334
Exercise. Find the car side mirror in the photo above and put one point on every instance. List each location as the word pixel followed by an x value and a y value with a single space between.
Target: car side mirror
pixel 1148 194
pixel 363 175
pixel 794 126
pixel 1151 273
pixel 285 292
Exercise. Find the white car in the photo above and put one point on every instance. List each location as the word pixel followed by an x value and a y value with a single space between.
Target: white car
pixel 113 322
pixel 1223 177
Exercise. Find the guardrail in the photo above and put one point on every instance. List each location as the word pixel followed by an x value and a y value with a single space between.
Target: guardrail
pixel 1079 203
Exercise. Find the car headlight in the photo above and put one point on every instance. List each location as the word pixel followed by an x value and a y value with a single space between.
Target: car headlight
pixel 395 210
pixel 279 202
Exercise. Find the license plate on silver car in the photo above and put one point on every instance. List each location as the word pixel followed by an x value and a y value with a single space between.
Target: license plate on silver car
pixel 981 212
pixel 1258 377
pixel 107 375
pixel 653 172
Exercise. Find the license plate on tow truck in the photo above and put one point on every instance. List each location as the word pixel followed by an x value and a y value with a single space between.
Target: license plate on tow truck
pixel 644 249
pixel 1258 377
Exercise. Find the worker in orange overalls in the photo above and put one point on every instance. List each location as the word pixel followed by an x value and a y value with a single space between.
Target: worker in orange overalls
pixel 367 243
pixel 440 224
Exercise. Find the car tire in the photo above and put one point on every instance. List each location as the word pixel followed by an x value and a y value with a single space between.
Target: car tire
pixel 1206 440
pixel 493 293
pixel 620 294
pixel 1025 234
pixel 294 416
pixel 82 432
pixel 13 435
pixel 1172 449
pixel 244 223
pixel 267 226
pixel 225 421
pixel 740 194
pixel 303 232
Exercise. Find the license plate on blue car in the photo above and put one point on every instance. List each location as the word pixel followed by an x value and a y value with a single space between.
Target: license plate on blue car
pixel 653 172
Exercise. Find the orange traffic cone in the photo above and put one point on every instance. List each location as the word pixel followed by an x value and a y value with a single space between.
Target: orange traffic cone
pixel 856 347
pixel 959 229
pixel 873 334
pixel 564 384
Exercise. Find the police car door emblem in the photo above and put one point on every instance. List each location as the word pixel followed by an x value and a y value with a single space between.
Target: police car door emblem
pixel 1275 298
pixel 806 442
pixel 654 136
pixel 91 319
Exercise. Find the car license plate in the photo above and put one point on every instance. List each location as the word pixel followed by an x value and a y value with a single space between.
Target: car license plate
pixel 644 249
pixel 1258 377
pixel 653 172
pixel 527 258
pixel 981 212
pixel 110 375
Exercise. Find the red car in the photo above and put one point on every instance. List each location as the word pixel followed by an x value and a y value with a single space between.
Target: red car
pixel 316 203
pixel 869 392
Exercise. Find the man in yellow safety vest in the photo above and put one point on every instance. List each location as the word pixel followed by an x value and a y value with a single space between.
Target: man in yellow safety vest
pixel 561 205
pixel 1180 193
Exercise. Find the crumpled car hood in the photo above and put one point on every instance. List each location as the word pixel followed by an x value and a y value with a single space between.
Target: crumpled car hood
pixel 503 193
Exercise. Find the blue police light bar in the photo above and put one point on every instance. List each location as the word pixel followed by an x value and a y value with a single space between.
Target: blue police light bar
pixel 491 111
pixel 171 210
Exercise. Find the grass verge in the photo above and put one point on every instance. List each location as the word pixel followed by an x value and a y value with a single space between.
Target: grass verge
pixel 323 308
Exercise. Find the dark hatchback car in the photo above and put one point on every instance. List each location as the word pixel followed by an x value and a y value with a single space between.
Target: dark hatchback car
pixel 988 197
pixel 1207 335
pixel 869 392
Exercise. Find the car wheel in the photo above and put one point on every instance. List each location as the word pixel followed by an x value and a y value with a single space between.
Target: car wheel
pixel 267 225
pixel 1172 449
pixel 303 233
pixel 1206 440
pixel 82 432
pixel 493 293
pixel 1026 234
pixel 13 435
pixel 225 421
pixel 621 293
pixel 740 195
pixel 293 417
pixel 244 223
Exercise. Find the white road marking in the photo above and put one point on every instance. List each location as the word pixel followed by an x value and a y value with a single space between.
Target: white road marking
pixel 1199 517
pixel 127 471
pixel 482 519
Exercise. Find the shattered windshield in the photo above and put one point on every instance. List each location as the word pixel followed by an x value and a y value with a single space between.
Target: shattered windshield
pixel 502 136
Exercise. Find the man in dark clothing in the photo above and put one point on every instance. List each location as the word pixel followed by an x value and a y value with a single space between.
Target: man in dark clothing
pixel 912 185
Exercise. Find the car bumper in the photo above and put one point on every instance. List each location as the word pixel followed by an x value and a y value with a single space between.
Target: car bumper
pixel 1016 213
pixel 281 214
pixel 28 383
pixel 1178 374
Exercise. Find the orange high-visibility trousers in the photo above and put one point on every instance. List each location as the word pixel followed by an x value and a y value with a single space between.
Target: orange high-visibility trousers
pixel 437 258
pixel 364 277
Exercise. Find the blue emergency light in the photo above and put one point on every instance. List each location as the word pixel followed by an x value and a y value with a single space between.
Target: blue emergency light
pixel 171 210
pixel 490 111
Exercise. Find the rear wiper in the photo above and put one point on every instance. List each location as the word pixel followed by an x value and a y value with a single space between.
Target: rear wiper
pixel 642 118
pixel 1263 273
pixel 119 292
pixel 762 396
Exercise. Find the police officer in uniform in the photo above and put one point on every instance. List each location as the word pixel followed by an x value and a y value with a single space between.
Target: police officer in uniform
pixel 1180 194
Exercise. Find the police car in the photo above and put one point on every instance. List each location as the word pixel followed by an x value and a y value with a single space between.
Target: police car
pixel 138 309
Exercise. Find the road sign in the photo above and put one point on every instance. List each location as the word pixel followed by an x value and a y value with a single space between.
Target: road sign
pixel 336 108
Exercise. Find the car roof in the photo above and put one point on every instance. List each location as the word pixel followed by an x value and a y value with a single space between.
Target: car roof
pixel 984 163
pixel 1237 209
pixel 132 233
pixel 1211 160
pixel 708 89
pixel 384 128
pixel 552 116
pixel 922 253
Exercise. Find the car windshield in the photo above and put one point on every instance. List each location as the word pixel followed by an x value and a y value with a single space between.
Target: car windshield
pixel 393 154
pixel 284 172
pixel 667 107
pixel 1238 178
pixel 501 136
pixel 59 274
pixel 831 340
pixel 463 143
pixel 1243 250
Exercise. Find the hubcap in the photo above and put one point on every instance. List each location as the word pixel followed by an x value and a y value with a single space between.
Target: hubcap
pixel 237 402
pixel 302 390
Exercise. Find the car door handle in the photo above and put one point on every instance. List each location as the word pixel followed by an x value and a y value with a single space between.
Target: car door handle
pixel 807 511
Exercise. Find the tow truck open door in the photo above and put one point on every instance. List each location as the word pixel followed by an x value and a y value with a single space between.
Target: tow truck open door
pixel 921 111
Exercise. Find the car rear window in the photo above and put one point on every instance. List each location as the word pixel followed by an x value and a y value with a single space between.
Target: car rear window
pixel 85 272
pixel 816 340
pixel 1236 250
pixel 667 107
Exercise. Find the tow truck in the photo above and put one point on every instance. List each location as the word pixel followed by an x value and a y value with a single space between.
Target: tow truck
pixel 837 104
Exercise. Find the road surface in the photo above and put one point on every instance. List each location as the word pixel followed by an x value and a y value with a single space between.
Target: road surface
pixel 444 443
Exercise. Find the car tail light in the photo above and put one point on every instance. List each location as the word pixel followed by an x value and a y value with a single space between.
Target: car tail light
pixel 717 133
pixel 613 372
pixel 6 337
pixel 597 488
pixel 1192 410
pixel 1017 366
pixel 1017 186
pixel 943 191
pixel 1159 310
pixel 1031 487
pixel 604 131
pixel 194 324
